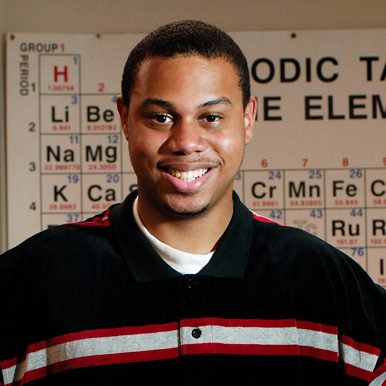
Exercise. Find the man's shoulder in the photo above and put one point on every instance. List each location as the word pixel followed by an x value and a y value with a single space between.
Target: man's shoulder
pixel 275 231
pixel 80 236
pixel 298 249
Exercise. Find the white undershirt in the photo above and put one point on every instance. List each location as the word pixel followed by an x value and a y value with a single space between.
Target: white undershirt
pixel 183 262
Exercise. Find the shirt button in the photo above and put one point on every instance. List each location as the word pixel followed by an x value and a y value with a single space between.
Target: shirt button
pixel 196 333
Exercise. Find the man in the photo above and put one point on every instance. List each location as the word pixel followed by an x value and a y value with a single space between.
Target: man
pixel 181 284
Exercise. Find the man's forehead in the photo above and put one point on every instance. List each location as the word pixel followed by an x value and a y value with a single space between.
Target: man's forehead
pixel 204 81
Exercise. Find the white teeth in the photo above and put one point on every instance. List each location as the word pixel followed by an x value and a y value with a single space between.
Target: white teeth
pixel 188 176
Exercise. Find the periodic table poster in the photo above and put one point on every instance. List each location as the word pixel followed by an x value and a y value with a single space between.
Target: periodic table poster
pixel 317 160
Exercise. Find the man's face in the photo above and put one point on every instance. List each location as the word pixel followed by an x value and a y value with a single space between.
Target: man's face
pixel 186 129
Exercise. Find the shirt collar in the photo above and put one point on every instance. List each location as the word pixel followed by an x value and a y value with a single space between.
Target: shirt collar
pixel 229 259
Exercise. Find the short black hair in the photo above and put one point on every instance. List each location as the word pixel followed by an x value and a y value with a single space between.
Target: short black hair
pixel 186 37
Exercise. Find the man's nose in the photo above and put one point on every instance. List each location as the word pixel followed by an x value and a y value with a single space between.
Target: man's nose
pixel 186 136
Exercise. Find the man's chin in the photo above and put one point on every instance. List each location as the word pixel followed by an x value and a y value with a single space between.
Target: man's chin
pixel 184 212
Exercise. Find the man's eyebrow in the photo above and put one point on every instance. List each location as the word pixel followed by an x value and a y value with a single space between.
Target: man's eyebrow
pixel 157 102
pixel 216 101
pixel 169 105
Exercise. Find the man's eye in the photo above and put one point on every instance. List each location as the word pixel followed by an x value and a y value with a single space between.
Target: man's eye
pixel 163 118
pixel 212 118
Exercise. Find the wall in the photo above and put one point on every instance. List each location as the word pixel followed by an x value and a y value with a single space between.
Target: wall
pixel 92 16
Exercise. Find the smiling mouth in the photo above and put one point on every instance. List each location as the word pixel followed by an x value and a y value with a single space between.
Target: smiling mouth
pixel 187 176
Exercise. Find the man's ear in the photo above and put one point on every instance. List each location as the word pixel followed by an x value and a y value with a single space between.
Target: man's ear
pixel 249 119
pixel 123 111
